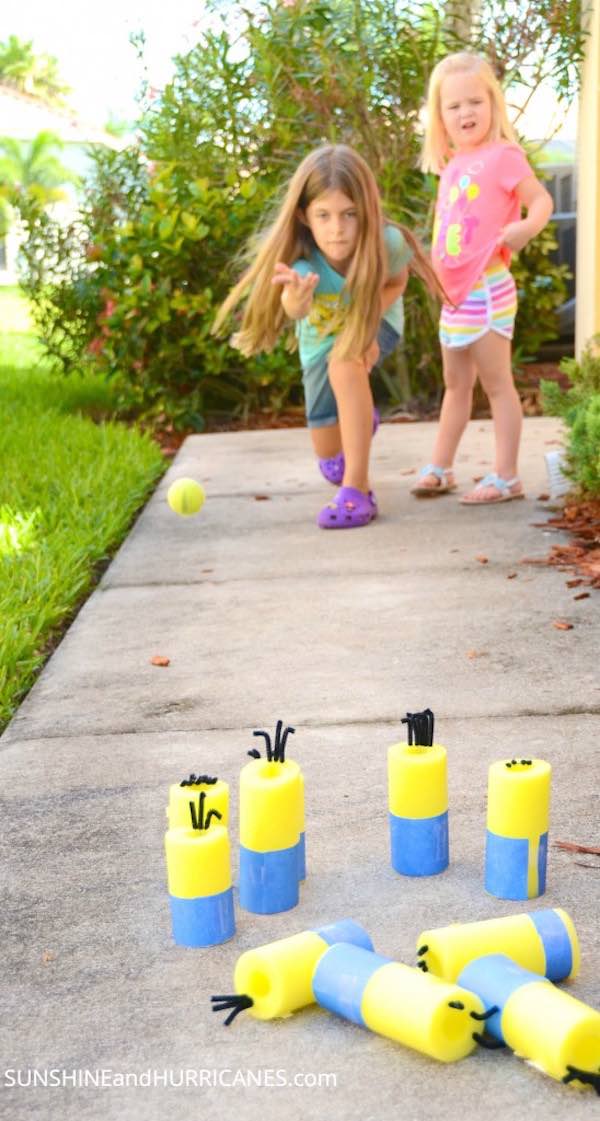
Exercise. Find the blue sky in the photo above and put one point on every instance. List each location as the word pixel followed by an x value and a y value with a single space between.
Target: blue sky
pixel 90 39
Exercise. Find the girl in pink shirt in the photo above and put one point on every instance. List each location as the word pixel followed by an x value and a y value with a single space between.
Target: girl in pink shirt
pixel 485 180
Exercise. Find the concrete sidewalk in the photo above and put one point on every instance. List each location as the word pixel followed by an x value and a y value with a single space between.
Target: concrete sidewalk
pixel 264 616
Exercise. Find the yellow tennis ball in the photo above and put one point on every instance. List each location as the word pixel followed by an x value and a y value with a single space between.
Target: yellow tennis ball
pixel 186 497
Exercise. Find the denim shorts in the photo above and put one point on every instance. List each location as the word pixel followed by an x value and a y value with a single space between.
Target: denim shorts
pixel 319 399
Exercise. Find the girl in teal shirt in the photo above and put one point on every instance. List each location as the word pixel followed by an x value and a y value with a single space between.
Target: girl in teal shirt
pixel 333 265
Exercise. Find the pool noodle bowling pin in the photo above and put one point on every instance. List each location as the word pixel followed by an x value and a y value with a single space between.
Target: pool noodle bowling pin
pixel 302 841
pixel 276 980
pixel 181 793
pixel 278 749
pixel 270 827
pixel 420 1011
pixel 545 942
pixel 517 828
pixel 418 801
pixel 545 1025
pixel 199 882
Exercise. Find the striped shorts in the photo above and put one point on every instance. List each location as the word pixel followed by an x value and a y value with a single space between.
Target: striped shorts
pixel 490 306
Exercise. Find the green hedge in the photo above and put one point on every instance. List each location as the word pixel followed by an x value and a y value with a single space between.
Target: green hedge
pixel 133 285
pixel 580 408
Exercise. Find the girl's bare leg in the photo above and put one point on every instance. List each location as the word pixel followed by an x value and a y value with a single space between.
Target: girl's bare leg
pixel 349 380
pixel 492 356
pixel 326 441
pixel 459 379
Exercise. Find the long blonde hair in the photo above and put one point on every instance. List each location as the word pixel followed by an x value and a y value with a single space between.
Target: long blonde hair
pixel 436 148
pixel 332 167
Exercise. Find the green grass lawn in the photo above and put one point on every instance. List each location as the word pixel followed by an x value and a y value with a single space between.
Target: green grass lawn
pixel 71 482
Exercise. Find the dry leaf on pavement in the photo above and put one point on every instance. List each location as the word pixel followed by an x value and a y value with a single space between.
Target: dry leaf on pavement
pixel 572 846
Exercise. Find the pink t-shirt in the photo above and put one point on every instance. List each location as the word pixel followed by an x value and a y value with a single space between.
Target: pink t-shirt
pixel 476 199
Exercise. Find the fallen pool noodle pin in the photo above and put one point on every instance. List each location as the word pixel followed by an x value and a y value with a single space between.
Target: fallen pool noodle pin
pixel 199 883
pixel 270 825
pixel 278 977
pixel 180 796
pixel 399 1002
pixel 418 808
pixel 540 1023
pixel 517 828
pixel 544 941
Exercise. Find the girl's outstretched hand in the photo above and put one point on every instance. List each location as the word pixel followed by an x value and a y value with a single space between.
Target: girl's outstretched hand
pixel 297 293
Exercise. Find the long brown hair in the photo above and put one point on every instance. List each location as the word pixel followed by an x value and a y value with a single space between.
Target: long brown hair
pixel 332 167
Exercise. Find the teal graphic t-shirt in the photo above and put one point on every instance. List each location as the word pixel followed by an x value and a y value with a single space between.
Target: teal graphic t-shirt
pixel 311 343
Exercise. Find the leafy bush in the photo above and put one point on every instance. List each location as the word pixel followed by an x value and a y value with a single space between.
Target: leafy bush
pixel 134 284
pixel 542 288
pixel 584 446
pixel 580 408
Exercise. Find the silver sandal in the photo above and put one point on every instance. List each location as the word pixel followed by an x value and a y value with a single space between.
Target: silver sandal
pixel 442 474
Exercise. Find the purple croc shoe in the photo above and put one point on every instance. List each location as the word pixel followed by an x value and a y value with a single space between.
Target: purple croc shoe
pixel 349 509
pixel 333 469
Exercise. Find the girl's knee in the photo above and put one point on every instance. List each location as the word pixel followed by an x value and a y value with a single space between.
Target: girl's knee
pixel 461 384
pixel 460 372
pixel 498 384
pixel 346 370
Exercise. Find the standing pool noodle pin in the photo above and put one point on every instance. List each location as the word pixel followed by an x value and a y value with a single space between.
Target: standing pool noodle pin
pixel 274 754
pixel 517 828
pixel 418 800
pixel 271 821
pixel 216 798
pixel 423 1012
pixel 544 942
pixel 544 1025
pixel 199 879
pixel 186 497
pixel 276 980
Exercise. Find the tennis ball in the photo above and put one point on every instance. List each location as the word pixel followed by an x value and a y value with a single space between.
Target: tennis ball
pixel 186 497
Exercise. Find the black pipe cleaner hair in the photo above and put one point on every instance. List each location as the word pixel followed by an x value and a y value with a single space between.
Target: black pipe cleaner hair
pixel 276 753
pixel 486 1041
pixel 197 814
pixel 422 964
pixel 420 728
pixel 590 1077
pixel 236 1002
pixel 198 780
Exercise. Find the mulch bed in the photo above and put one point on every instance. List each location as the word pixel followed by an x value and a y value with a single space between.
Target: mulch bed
pixel 527 381
pixel 581 556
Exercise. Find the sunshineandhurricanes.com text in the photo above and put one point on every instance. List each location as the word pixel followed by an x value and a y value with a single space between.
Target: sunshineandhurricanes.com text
pixel 109 1078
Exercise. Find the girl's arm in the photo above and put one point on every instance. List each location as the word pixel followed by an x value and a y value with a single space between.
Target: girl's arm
pixel 297 291
pixel 538 202
pixel 393 289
